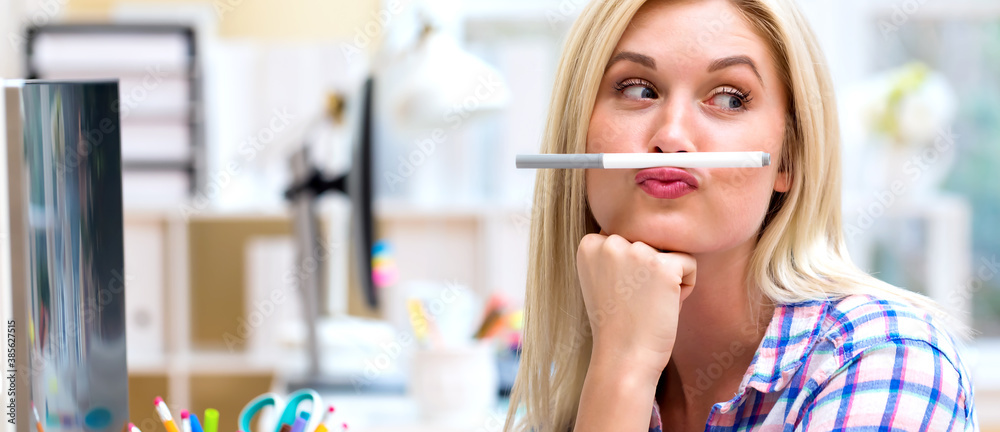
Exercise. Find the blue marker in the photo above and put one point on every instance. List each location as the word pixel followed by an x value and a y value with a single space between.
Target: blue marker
pixel 195 424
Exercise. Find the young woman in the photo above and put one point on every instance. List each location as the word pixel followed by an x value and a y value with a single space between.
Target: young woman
pixel 713 299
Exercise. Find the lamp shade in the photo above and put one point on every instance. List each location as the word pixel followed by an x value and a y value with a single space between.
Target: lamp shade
pixel 444 85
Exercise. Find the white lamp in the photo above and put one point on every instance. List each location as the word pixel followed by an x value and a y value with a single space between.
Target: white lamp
pixel 441 84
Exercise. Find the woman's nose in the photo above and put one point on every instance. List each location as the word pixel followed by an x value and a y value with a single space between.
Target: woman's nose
pixel 672 128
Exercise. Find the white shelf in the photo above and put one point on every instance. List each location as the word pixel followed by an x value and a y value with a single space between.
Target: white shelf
pixel 83 52
pixel 159 103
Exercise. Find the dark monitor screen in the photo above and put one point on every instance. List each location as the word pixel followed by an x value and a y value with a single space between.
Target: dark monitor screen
pixel 360 192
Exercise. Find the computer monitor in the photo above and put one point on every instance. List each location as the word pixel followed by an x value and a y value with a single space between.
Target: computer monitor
pixel 308 184
pixel 360 191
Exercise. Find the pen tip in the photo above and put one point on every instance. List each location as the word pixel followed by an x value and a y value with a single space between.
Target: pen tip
pixel 130 426
pixel 766 160
pixel 157 400
pixel 185 414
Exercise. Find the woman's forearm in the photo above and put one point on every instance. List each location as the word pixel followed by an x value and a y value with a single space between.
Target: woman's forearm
pixel 615 397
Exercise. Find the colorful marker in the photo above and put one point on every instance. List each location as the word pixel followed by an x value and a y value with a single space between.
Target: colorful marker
pixel 300 423
pixel 185 421
pixel 211 420
pixel 195 424
pixel 326 418
pixel 38 423
pixel 164 413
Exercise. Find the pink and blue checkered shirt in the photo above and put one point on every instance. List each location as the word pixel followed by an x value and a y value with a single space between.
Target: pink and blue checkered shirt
pixel 854 364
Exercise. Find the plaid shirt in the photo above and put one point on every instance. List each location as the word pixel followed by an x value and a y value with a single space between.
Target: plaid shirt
pixel 854 364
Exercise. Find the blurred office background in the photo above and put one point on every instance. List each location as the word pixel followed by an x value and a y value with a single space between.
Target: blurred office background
pixel 218 95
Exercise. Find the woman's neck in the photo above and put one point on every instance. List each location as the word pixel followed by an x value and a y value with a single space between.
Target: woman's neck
pixel 720 327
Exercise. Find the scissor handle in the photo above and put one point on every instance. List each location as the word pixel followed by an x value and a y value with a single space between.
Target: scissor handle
pixel 291 409
pixel 256 405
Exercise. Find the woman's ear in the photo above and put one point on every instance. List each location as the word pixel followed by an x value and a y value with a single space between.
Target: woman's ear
pixel 783 182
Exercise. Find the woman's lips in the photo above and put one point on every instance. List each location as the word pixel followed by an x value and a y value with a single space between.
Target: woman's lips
pixel 666 183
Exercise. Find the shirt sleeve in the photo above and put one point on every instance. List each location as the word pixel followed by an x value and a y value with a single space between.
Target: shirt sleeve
pixel 900 385
pixel 654 419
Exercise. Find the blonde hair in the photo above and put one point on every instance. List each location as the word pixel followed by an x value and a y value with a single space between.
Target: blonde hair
pixel 800 254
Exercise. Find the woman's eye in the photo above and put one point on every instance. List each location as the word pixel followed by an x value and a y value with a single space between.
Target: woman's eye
pixel 727 101
pixel 634 88
pixel 730 100
pixel 639 92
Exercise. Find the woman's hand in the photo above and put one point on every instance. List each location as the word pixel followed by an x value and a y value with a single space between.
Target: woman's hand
pixel 633 295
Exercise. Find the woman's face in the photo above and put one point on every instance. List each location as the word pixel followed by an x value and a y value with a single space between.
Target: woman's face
pixel 687 76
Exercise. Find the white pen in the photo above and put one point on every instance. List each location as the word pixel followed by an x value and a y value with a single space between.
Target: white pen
pixel 752 159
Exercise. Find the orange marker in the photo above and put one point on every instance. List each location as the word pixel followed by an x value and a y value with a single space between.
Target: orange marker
pixel 164 413
pixel 38 424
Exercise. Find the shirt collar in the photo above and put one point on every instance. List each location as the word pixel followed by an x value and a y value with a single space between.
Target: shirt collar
pixel 789 337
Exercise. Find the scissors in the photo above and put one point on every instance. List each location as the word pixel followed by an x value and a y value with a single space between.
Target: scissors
pixel 289 411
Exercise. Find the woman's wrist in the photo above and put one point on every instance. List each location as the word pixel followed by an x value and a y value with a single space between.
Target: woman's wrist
pixel 615 396
pixel 630 365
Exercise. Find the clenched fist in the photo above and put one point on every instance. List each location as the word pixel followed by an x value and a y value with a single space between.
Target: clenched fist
pixel 633 295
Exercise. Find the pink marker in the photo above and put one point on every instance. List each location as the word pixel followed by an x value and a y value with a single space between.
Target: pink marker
pixel 326 417
pixel 185 421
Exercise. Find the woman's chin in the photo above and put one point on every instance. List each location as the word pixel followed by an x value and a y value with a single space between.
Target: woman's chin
pixel 659 242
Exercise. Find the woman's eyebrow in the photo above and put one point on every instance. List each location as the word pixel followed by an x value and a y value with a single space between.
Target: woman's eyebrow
pixel 725 62
pixel 642 59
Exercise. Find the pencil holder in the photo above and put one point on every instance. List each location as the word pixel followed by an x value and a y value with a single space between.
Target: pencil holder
pixel 455 386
